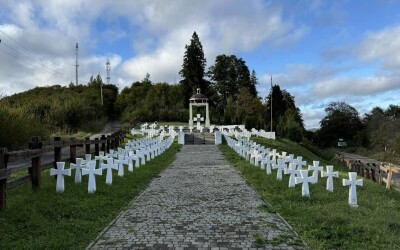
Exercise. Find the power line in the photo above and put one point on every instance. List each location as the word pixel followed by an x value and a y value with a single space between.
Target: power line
pixel 29 63
pixel 53 70
pixel 25 52
pixel 11 55
pixel 31 57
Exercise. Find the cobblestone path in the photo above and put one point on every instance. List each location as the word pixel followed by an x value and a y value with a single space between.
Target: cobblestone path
pixel 199 202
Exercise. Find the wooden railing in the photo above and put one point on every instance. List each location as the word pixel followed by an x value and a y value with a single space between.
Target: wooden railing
pixel 383 173
pixel 35 152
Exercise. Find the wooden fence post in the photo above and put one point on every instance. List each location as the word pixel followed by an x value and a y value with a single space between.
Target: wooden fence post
pixel 389 176
pixel 4 173
pixel 57 150
pixel 103 144
pixel 87 145
pixel 380 173
pixel 35 170
pixel 72 152
pixel 108 144
pixel 96 147
pixel 113 141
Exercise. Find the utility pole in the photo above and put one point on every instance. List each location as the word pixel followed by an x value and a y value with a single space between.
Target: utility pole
pixel 76 64
pixel 271 102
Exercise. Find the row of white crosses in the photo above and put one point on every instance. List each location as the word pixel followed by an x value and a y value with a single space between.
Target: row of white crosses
pixel 288 164
pixel 135 151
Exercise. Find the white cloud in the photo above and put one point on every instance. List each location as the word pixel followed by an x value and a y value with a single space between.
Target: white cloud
pixel 300 75
pixel 162 28
pixel 355 86
pixel 382 46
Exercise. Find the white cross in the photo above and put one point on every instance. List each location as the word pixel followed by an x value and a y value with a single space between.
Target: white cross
pixel 120 162
pixel 293 172
pixel 274 154
pixel 315 168
pixel 91 171
pixel 110 165
pixel 305 179
pixel 330 174
pixel 78 169
pixel 253 155
pixel 289 159
pixel 88 157
pixel 112 153
pixel 212 129
pixel 132 157
pixel 280 166
pixel 101 157
pixel 198 119
pixel 283 155
pixel 141 156
pixel 60 172
pixel 300 163
pixel 269 162
pixel 353 183
pixel 146 152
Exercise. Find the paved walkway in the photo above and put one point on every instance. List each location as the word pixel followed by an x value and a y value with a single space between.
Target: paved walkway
pixel 199 202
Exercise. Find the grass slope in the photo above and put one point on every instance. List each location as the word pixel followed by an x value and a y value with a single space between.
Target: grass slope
pixel 325 220
pixel 47 220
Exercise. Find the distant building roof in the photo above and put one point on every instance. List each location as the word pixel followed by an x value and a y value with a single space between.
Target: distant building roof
pixel 198 97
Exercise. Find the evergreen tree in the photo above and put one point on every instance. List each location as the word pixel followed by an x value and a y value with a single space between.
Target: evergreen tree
pixel 286 116
pixel 253 83
pixel 193 68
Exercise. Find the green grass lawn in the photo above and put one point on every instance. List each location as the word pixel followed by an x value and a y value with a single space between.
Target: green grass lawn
pixel 44 219
pixel 325 220
pixel 172 124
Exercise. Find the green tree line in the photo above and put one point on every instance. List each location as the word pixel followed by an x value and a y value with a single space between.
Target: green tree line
pixel 378 130
pixel 229 84
pixel 44 110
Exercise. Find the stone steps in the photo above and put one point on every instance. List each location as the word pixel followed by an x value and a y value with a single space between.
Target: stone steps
pixel 199 139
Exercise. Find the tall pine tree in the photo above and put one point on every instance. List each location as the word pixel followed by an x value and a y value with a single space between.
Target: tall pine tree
pixel 194 64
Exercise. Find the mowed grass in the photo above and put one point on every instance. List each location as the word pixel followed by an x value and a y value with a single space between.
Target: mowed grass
pixel 45 219
pixel 172 124
pixel 325 220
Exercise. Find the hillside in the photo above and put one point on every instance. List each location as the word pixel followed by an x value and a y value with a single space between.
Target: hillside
pixel 325 220
pixel 45 110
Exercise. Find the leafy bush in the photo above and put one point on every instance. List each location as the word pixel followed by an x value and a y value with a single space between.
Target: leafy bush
pixel 44 110
pixel 18 126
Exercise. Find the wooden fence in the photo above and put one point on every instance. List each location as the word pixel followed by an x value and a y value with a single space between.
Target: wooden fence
pixel 384 173
pixel 37 149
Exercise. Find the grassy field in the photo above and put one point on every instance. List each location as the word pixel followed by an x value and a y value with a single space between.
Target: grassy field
pixel 325 220
pixel 173 124
pixel 44 219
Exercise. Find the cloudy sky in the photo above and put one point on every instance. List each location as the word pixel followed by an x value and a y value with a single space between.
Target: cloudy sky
pixel 318 50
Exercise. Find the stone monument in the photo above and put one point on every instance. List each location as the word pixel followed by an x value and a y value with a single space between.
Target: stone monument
pixel 199 100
